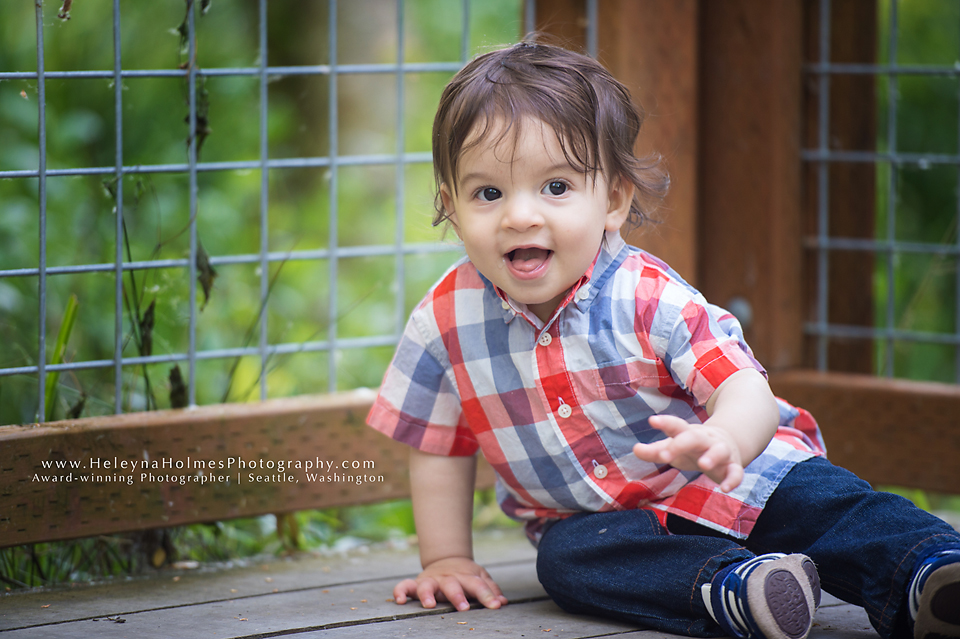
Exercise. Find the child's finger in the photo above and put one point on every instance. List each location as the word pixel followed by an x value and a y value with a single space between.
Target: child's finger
pixel 452 589
pixel 403 590
pixel 670 425
pixel 494 588
pixel 427 590
pixel 653 453
pixel 715 456
pixel 480 590
pixel 690 443
pixel 650 452
pixel 733 478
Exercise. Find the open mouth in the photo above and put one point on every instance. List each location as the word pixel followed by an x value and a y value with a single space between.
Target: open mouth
pixel 527 260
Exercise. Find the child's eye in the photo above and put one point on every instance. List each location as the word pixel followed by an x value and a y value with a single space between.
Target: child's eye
pixel 556 188
pixel 489 194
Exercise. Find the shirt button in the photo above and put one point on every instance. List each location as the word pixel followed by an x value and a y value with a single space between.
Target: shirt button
pixel 564 411
pixel 505 305
pixel 582 293
pixel 545 339
pixel 600 471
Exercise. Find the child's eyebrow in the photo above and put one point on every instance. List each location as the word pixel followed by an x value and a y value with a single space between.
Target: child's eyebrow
pixel 479 176
pixel 475 176
pixel 561 167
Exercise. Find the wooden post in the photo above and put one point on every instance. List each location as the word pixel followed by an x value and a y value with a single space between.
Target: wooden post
pixel 750 105
pixel 651 46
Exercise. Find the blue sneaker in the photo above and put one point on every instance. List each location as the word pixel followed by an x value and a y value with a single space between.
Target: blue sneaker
pixel 771 597
pixel 934 594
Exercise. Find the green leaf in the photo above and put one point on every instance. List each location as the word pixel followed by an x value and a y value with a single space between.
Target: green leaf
pixel 59 349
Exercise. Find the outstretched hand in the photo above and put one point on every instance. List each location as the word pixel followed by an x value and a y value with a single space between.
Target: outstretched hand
pixel 454 579
pixel 708 449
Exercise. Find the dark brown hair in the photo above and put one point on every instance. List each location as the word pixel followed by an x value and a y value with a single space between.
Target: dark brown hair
pixel 594 118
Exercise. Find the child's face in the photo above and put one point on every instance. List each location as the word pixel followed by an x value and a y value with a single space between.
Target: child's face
pixel 531 223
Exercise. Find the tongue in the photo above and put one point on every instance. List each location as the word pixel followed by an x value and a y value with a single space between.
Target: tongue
pixel 528 259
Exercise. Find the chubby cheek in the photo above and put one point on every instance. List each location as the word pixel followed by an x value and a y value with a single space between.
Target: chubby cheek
pixel 479 246
pixel 480 233
pixel 578 237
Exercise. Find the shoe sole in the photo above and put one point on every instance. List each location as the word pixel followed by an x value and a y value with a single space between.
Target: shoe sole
pixel 783 608
pixel 938 615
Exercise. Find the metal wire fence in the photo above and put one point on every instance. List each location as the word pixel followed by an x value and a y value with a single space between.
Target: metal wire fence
pixel 890 246
pixel 332 162
pixel 915 245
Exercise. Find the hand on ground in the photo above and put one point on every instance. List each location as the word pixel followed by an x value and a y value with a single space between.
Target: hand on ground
pixel 454 579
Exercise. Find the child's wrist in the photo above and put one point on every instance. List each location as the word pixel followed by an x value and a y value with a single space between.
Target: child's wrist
pixel 427 562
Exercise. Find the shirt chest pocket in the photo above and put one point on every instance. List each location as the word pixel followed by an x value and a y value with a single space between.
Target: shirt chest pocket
pixel 625 393
pixel 624 378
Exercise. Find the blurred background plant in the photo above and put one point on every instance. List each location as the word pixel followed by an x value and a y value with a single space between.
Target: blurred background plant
pixel 925 287
pixel 80 229
pixel 80 134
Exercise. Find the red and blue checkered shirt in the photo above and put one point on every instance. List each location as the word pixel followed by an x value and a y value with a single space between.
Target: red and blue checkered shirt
pixel 557 408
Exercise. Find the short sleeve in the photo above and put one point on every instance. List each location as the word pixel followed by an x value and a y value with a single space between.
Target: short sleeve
pixel 418 403
pixel 705 347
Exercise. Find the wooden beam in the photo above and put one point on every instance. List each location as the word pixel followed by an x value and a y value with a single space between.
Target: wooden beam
pixel 888 431
pixel 750 246
pixel 652 47
pixel 98 492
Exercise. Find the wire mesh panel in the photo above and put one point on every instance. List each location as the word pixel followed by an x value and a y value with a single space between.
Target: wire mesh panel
pixel 884 159
pixel 220 202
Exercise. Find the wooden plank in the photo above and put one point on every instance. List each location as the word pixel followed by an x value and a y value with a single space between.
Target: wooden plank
pixel 293 611
pixel 104 487
pixel 242 579
pixel 341 597
pixel 280 597
pixel 650 46
pixel 834 620
pixel 751 55
pixel 529 620
pixel 887 431
pixel 838 620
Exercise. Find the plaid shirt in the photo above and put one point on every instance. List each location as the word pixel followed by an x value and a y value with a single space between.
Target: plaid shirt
pixel 557 408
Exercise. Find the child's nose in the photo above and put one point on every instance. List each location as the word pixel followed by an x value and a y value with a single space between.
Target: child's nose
pixel 521 213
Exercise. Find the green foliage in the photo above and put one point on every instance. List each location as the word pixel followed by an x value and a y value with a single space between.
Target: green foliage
pixel 93 558
pixel 63 336
pixel 925 288
pixel 81 227
pixel 156 206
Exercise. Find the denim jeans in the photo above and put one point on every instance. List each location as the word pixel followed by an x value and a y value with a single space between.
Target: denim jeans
pixel 625 565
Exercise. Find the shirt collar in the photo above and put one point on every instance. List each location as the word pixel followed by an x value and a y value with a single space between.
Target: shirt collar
pixel 583 291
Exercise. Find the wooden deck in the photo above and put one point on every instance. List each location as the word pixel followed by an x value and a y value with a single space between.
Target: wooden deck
pixel 334 597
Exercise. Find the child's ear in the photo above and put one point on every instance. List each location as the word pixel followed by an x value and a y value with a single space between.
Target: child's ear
pixel 446 198
pixel 619 201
